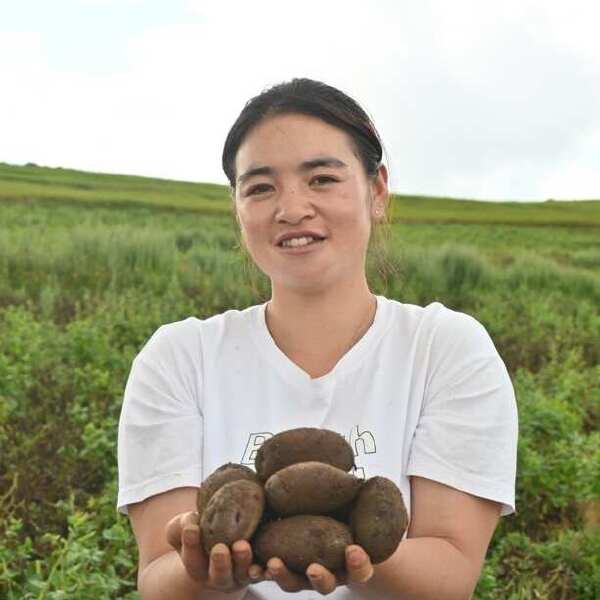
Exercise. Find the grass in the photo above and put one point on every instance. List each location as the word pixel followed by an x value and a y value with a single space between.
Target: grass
pixel 92 264
pixel 42 183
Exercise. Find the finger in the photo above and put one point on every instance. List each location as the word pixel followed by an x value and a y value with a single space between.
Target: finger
pixel 322 580
pixel 286 579
pixel 358 565
pixel 257 573
pixel 192 553
pixel 242 559
pixel 219 570
pixel 175 526
pixel 173 532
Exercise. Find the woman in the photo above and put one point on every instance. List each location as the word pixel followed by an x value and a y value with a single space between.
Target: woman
pixel 420 392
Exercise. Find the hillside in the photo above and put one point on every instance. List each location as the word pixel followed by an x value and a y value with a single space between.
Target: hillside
pixel 91 265
pixel 35 183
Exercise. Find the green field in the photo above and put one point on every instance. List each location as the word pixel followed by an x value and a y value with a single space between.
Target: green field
pixel 91 265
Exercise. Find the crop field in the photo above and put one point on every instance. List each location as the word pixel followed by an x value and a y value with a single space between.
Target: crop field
pixel 91 265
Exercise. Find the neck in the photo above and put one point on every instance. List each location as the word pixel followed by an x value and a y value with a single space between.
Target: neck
pixel 319 328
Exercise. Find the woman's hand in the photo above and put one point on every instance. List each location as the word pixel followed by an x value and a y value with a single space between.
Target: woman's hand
pixel 221 570
pixel 358 570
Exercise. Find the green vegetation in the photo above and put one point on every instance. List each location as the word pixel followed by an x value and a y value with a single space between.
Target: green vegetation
pixel 91 265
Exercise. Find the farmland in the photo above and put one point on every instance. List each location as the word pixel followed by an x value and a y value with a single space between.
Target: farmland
pixel 92 264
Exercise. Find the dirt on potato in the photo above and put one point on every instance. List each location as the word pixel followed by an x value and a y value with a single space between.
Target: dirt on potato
pixel 378 518
pixel 310 488
pixel 233 513
pixel 301 540
pixel 301 445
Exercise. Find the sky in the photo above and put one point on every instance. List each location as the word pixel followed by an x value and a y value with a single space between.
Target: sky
pixel 472 98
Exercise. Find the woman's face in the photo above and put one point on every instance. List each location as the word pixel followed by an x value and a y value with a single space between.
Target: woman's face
pixel 304 203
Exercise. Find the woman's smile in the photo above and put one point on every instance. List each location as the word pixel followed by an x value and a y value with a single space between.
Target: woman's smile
pixel 301 245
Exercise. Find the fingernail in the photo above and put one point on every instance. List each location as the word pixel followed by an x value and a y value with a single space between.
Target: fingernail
pixel 314 576
pixel 240 549
pixel 355 557
pixel 254 573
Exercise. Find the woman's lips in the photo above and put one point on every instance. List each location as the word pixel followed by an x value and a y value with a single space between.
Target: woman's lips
pixel 301 249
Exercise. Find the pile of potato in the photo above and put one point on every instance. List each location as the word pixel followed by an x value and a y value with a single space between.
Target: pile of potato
pixel 302 505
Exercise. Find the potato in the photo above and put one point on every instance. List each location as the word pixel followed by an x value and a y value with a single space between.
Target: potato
pixel 378 518
pixel 301 540
pixel 342 514
pixel 233 513
pixel 302 445
pixel 224 474
pixel 310 488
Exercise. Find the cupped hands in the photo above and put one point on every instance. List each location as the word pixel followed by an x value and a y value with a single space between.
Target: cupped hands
pixel 230 570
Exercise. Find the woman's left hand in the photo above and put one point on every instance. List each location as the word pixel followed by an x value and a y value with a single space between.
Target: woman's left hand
pixel 358 570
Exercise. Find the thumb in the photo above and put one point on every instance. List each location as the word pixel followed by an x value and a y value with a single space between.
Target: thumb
pixel 173 532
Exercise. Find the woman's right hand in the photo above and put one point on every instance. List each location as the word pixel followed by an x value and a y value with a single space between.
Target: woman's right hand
pixel 220 571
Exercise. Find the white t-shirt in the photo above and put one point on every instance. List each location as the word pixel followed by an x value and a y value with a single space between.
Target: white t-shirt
pixel 423 392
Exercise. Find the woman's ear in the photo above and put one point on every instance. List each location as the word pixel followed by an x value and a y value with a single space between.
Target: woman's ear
pixel 379 193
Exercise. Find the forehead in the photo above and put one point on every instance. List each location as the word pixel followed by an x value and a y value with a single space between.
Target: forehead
pixel 292 138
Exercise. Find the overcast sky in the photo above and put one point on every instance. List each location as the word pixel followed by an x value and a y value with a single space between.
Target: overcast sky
pixel 473 98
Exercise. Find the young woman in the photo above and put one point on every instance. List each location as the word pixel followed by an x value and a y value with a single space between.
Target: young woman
pixel 420 392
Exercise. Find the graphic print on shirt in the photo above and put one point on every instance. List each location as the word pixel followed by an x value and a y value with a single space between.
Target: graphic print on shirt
pixel 362 442
pixel 255 441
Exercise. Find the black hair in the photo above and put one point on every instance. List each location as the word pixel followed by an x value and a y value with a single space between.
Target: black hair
pixel 309 97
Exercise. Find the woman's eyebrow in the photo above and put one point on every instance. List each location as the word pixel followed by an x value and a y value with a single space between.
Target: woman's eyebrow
pixel 307 165
pixel 322 161
pixel 255 171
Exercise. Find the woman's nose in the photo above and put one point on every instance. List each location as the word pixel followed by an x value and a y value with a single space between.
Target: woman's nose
pixel 293 206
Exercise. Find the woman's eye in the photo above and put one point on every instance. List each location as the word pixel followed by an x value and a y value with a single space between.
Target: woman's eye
pixel 323 179
pixel 259 188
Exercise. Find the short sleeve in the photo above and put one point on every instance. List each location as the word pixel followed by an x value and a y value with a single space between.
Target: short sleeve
pixel 160 427
pixel 467 432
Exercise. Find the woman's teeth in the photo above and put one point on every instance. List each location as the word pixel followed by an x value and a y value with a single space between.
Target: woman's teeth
pixel 302 241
